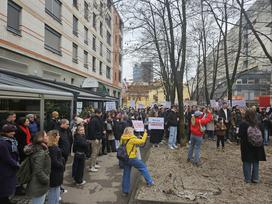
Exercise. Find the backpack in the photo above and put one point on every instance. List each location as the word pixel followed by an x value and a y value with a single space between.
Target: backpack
pixel 255 137
pixel 24 173
pixel 122 152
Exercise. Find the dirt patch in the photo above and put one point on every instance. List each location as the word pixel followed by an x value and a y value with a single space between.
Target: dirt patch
pixel 218 180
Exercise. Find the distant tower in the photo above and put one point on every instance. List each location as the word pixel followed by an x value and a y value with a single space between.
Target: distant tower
pixel 137 73
pixel 147 71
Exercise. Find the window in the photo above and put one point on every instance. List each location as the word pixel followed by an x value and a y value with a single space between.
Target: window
pixel 75 26
pixel 72 80
pixel 94 21
pixel 100 68
pixel 114 93
pixel 75 53
pixel 53 8
pixel 52 40
pixel 101 49
pixel 86 35
pixel 14 14
pixel 239 81
pixel 85 59
pixel 120 76
pixel 101 29
pixel 94 43
pixel 120 59
pixel 86 10
pixel 108 55
pixel 108 20
pixel 94 64
pixel 251 81
pixel 108 72
pixel 75 4
pixel 108 38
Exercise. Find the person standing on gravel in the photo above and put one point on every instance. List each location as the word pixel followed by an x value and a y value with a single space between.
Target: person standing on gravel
pixel 197 132
pixel 251 152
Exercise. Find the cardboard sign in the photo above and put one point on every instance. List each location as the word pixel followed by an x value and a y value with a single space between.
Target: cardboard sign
pixel 138 125
pixel 110 106
pixel 155 123
pixel 132 104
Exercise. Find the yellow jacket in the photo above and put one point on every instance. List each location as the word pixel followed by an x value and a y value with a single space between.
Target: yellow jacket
pixel 133 141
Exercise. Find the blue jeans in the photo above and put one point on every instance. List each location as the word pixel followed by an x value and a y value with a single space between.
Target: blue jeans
pixel 195 147
pixel 138 164
pixel 251 171
pixel 53 195
pixel 38 200
pixel 266 136
pixel 172 136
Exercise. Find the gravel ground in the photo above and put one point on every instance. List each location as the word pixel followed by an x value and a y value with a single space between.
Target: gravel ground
pixel 218 180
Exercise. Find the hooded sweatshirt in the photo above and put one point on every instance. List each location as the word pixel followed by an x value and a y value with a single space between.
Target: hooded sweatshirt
pixel 131 145
pixel 195 127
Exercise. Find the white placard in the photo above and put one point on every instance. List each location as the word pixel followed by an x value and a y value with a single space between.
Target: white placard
pixel 79 105
pixel 155 123
pixel 167 104
pixel 240 103
pixel 138 125
pixel 132 104
pixel 110 106
pixel 214 104
pixel 140 106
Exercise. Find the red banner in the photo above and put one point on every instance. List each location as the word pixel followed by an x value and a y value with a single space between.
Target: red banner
pixel 264 101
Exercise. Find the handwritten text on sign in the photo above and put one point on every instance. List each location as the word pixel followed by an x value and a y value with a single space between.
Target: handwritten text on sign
pixel 138 125
pixel 155 123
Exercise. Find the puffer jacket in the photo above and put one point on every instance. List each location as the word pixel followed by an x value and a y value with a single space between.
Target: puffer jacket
pixel 132 143
pixel 195 127
pixel 41 167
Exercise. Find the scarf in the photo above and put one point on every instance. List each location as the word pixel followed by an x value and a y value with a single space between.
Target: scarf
pixel 27 132
pixel 13 142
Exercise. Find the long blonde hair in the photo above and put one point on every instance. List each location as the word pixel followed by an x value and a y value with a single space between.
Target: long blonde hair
pixel 128 131
pixel 53 138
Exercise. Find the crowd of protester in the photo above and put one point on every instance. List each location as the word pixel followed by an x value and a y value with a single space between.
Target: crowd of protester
pixel 45 153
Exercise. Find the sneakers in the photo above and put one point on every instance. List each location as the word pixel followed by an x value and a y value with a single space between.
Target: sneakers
pixel 81 184
pixel 124 194
pixel 188 160
pixel 175 146
pixel 62 190
pixel 150 184
pixel 171 147
pixel 228 141
pixel 93 169
pixel 97 166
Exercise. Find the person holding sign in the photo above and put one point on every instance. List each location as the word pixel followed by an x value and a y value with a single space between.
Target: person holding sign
pixel 131 141
pixel 156 127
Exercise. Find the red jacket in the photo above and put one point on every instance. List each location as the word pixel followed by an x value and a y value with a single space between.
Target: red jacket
pixel 195 129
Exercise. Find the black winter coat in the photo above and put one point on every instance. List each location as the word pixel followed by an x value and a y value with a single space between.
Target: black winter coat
pixel 248 152
pixel 65 141
pixel 8 168
pixel 222 114
pixel 118 128
pixel 21 139
pixel 95 129
pixel 80 144
pixel 172 119
pixel 53 125
pixel 57 166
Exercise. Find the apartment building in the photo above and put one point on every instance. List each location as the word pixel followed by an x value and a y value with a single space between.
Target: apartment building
pixel 69 41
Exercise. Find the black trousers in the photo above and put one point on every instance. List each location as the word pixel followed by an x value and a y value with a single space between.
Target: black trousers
pixel 78 167
pixel 220 139
pixel 104 145
pixel 111 146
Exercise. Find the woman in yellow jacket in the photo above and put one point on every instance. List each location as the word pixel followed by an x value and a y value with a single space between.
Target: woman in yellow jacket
pixel 131 142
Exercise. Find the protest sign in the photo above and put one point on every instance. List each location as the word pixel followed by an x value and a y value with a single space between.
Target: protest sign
pixel 138 125
pixel 214 104
pixel 110 106
pixel 167 104
pixel 140 106
pixel 132 104
pixel 155 123
pixel 240 103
